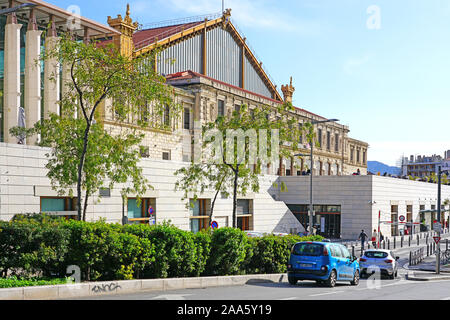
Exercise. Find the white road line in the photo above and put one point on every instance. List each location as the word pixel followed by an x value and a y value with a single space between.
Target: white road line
pixel 291 298
pixel 326 293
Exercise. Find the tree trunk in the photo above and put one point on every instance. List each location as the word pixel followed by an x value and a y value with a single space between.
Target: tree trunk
pixel 80 169
pixel 85 205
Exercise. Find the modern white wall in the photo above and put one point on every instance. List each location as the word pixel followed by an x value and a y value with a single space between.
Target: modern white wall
pixel 23 180
pixel 356 193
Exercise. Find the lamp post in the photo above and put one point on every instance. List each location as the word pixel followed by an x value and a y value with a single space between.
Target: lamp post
pixel 311 209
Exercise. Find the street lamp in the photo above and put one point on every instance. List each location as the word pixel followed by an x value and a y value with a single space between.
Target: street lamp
pixel 311 211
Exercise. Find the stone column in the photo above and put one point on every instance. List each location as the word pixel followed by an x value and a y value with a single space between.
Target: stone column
pixel 51 74
pixel 11 93
pixel 32 77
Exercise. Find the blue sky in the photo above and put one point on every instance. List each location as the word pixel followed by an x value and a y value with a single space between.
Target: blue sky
pixel 381 66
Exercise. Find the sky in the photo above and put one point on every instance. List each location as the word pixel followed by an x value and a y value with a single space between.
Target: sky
pixel 381 66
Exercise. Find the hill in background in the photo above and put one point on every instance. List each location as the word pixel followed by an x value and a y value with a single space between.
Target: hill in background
pixel 376 166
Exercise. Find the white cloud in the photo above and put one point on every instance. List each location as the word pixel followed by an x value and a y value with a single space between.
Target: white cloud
pixel 389 152
pixel 263 14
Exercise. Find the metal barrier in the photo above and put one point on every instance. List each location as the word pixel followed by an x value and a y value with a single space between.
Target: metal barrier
pixel 416 256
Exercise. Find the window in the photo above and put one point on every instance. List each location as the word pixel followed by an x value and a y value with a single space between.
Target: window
pixel 376 254
pixel 308 249
pixel 319 136
pixel 187 118
pixel 337 251
pixel 166 116
pixel 336 142
pixel 352 154
pixel 221 108
pixel 244 214
pixel 59 205
pixel 237 108
pixel 199 214
pixel 300 127
pixel 141 212
pixel 166 155
pixel 358 155
pixel 328 140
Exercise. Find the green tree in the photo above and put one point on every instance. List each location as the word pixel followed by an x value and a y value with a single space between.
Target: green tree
pixel 83 152
pixel 232 166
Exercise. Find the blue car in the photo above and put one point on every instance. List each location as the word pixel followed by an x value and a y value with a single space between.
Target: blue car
pixel 324 262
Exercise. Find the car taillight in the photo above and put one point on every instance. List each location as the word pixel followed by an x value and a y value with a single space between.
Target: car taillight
pixel 388 261
pixel 325 251
pixel 362 260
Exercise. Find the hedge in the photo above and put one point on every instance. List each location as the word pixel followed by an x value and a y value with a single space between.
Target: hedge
pixel 40 245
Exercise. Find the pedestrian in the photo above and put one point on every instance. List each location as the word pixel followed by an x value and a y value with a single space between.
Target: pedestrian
pixel 362 236
pixel 374 238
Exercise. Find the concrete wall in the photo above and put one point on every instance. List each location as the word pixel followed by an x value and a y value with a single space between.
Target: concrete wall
pixel 23 181
pixel 356 193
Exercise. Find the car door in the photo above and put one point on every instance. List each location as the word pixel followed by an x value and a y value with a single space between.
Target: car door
pixel 339 261
pixel 347 263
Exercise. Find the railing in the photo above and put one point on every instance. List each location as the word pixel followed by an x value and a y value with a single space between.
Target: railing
pixel 416 256
pixel 178 26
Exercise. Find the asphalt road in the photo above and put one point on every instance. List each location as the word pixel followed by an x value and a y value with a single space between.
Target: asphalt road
pixel 368 289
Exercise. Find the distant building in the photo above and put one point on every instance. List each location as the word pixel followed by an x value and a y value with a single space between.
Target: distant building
pixel 423 166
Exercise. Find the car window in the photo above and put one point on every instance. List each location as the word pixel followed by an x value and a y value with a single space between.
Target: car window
pixel 332 250
pixel 376 254
pixel 345 252
pixel 308 249
pixel 338 253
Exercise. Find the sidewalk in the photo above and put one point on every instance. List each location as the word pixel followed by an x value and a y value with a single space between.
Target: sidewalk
pixel 426 271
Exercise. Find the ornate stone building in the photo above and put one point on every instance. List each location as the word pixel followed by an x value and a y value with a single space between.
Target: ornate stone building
pixel 212 69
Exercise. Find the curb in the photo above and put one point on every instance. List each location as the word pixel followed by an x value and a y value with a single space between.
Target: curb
pixel 93 289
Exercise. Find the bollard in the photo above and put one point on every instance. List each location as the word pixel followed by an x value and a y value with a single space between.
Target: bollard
pixel 417 240
pixel 410 258
pixel 353 251
pixel 389 244
pixel 409 241
pixel 394 242
pixel 401 242
pixel 427 251
pixel 426 240
pixel 384 244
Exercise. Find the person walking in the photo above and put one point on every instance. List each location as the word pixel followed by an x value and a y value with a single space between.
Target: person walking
pixel 374 238
pixel 362 236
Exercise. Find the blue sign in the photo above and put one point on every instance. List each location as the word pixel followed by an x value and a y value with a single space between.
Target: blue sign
pixel 214 225
pixel 151 211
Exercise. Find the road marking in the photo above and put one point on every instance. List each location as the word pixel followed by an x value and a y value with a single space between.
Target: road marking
pixel 326 293
pixel 291 298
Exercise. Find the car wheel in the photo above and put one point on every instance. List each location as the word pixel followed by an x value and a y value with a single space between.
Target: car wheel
pixel 355 280
pixel 331 282
pixel 292 281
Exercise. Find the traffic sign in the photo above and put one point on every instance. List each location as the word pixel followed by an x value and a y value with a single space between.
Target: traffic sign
pixel 401 218
pixel 437 239
pixel 437 227
pixel 151 211
pixel 214 224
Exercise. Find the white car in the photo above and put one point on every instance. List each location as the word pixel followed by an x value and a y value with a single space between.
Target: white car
pixel 381 260
pixel 254 234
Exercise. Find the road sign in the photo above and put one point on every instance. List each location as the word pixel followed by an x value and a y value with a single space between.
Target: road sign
pixel 214 225
pixel 401 218
pixel 437 227
pixel 151 211
pixel 437 239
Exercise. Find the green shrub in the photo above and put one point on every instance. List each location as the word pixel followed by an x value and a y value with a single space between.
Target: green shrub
pixel 33 246
pixel 13 282
pixel 202 241
pixel 228 250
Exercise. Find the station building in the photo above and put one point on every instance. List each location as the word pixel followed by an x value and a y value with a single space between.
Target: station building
pixel 212 69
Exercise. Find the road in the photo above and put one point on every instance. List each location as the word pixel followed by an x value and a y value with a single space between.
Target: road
pixel 368 289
